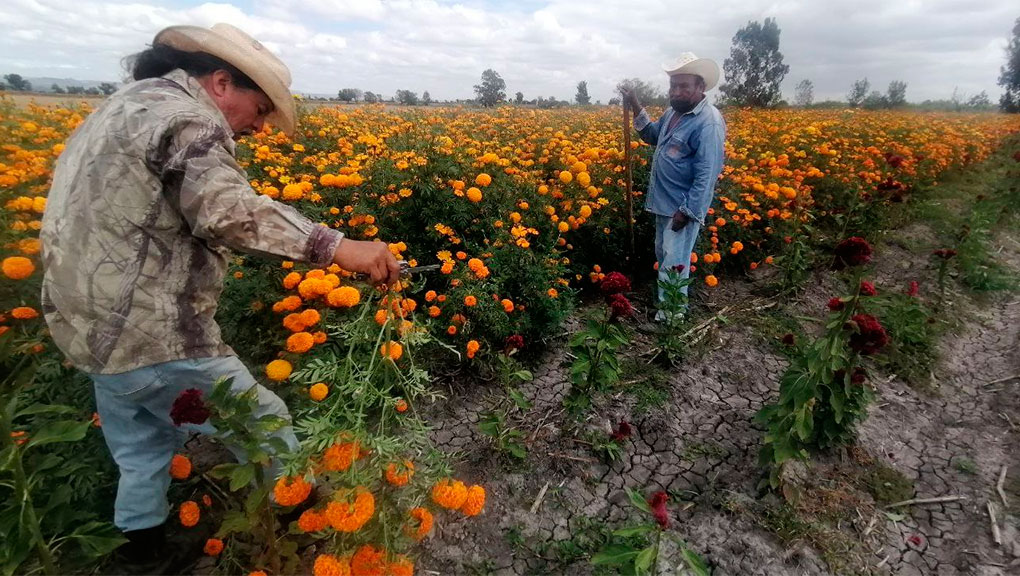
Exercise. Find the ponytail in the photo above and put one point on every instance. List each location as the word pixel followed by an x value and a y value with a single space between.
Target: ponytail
pixel 161 59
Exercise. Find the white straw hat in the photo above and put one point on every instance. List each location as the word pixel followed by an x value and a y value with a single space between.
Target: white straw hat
pixel 688 63
pixel 245 53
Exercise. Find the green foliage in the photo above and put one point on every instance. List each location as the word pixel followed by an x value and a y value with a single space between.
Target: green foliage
pixel 595 367
pixel 492 90
pixel 582 96
pixel 755 67
pixel 674 306
pixel 497 422
pixel 913 331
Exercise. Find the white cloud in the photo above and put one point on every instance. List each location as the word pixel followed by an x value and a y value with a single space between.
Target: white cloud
pixel 538 48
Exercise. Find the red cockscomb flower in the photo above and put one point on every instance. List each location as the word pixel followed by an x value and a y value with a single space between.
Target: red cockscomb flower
pixel 867 288
pixel 614 283
pixel 835 304
pixel 789 339
pixel 944 253
pixel 619 307
pixel 870 336
pixel 188 408
pixel 914 288
pixel 853 251
pixel 658 505
pixel 624 430
pixel 514 342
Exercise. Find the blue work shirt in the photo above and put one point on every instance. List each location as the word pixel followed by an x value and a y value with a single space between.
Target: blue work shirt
pixel 687 160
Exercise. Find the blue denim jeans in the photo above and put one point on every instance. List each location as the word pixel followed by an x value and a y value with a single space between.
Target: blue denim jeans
pixel 135 410
pixel 672 248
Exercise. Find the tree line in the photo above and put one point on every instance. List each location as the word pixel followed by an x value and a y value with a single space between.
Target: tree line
pixel 16 83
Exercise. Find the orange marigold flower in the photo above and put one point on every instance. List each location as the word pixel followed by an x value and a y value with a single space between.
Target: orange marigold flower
pixel 310 317
pixel 206 500
pixel 189 513
pixel 290 491
pixel 430 295
pixel 451 330
pixel 343 297
pixel 294 322
pixel 347 516
pixel 312 521
pixel 472 348
pixel 401 566
pixel 552 293
pixel 434 311
pixel 421 523
pixel 508 305
pixel 392 350
pixel 310 288
pixel 401 405
pixel 339 457
pixel 449 493
pixel 278 370
pixel 470 300
pixel 319 337
pixel 318 391
pixel 399 476
pixel 24 313
pixel 291 280
pixel 483 179
pixel 711 280
pixel 257 573
pixel 367 561
pixel 213 547
pixel 474 194
pixel 329 565
pixel 17 267
pixel 180 467
pixel 380 316
pixel 288 304
pixel 300 342
pixel 474 502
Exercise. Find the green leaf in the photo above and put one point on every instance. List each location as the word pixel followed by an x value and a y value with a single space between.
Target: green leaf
pixel 97 539
pixel 62 431
pixel 638 500
pixel 643 562
pixel 694 562
pixel 46 409
pixel 523 375
pixel 489 427
pixel 519 398
pixel 517 450
pixel 634 530
pixel 278 445
pixel 614 555
pixel 233 521
pixel 242 476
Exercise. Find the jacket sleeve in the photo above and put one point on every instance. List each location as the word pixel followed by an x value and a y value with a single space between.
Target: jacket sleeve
pixel 708 163
pixel 201 179
pixel 648 130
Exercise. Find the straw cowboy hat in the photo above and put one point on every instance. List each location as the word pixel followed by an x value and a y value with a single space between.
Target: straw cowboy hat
pixel 248 55
pixel 688 63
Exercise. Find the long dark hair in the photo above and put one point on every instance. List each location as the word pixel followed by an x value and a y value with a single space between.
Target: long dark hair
pixel 160 59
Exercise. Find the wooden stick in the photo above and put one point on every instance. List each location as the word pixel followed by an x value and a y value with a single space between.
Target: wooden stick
pixel 936 500
pixel 575 458
pixel 1002 380
pixel 538 500
pixel 628 192
pixel 998 487
pixel 996 536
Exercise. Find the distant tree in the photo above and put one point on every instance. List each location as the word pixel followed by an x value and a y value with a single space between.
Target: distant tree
pixel 957 99
pixel 1009 77
pixel 858 92
pixel 875 100
pixel 896 95
pixel 407 98
pixel 582 96
pixel 372 97
pixel 519 98
pixel 93 91
pixel 979 101
pixel 75 90
pixel 3 86
pixel 755 67
pixel 17 83
pixel 107 88
pixel 804 93
pixel 426 98
pixel 492 90
pixel 56 89
pixel 614 101
pixel 348 94
pixel 647 94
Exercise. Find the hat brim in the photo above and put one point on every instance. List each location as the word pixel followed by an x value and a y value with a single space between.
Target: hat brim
pixel 707 69
pixel 198 39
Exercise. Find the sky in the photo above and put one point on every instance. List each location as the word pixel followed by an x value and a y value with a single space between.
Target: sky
pixel 540 48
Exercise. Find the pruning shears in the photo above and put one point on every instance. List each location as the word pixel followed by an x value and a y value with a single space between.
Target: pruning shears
pixel 406 269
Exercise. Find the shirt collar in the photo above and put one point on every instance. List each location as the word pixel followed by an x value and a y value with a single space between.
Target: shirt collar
pixel 194 89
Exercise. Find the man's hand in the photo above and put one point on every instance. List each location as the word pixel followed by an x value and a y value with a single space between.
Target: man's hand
pixel 679 221
pixel 630 99
pixel 371 258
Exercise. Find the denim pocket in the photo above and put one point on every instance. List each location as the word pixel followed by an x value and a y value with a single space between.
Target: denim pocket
pixel 128 383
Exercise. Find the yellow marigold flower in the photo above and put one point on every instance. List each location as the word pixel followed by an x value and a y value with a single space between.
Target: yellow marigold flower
pixel 24 313
pixel 474 194
pixel 291 280
pixel 563 227
pixel 472 348
pixel 583 179
pixel 474 502
pixel 180 467
pixel 189 513
pixel 340 456
pixel 293 192
pixel 578 167
pixel 39 204
pixel 401 566
pixel 291 491
pixel 17 267
pixel 318 391
pixel 399 476
pixel 483 179
pixel 449 493
pixel 300 342
pixel 348 516
pixel 585 211
pixel 470 300
pixel 566 177
pixel 312 521
pixel 421 523
pixel 392 350
pixel 367 561
pixel 278 370
pixel 213 546
pixel 329 565
pixel 711 280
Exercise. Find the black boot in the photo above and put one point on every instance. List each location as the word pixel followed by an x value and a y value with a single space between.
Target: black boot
pixel 144 553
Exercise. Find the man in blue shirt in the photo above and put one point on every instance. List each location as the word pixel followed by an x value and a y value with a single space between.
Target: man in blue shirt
pixel 688 158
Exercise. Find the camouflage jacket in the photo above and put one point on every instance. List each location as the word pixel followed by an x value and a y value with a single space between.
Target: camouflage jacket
pixel 147 200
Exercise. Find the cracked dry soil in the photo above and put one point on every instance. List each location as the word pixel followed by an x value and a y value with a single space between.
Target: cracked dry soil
pixel 701 446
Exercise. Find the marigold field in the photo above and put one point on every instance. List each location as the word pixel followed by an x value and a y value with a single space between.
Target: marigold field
pixel 523 209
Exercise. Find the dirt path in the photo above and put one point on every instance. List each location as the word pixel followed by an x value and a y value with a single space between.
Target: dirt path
pixel 701 447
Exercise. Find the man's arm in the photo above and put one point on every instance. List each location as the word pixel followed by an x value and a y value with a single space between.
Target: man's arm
pixel 708 163
pixel 648 130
